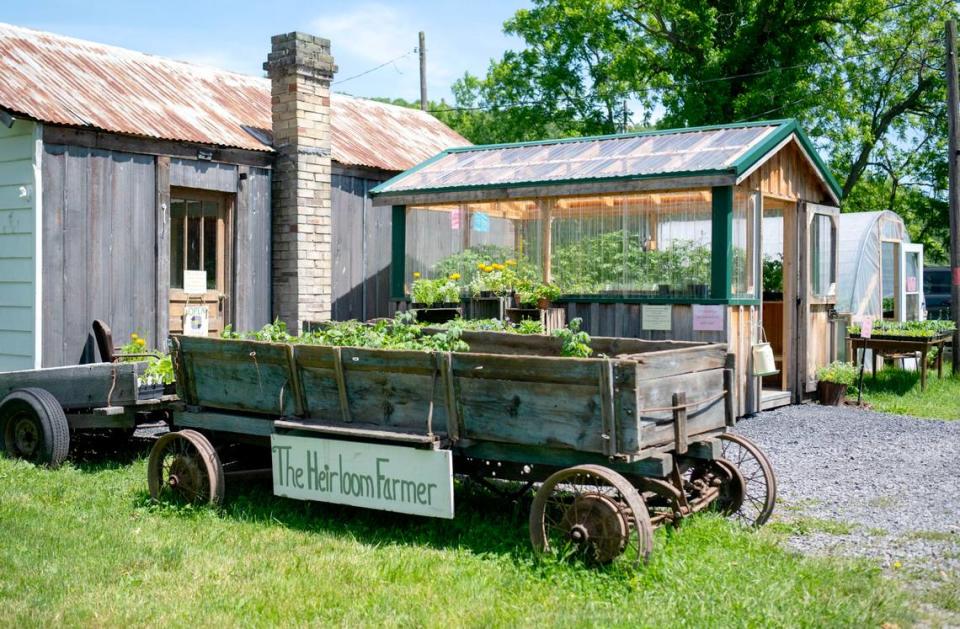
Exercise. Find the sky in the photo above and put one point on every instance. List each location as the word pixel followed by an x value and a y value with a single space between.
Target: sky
pixel 461 35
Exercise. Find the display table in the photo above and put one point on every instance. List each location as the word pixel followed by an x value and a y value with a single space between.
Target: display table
pixel 898 345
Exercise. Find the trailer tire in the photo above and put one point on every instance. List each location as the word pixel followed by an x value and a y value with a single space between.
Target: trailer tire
pixel 34 427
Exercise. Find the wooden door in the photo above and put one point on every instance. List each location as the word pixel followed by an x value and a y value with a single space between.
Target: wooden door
pixel 200 241
pixel 817 291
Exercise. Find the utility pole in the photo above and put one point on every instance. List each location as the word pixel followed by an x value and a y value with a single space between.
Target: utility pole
pixel 953 115
pixel 423 71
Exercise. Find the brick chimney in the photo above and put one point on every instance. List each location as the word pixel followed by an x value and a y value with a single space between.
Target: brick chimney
pixel 300 68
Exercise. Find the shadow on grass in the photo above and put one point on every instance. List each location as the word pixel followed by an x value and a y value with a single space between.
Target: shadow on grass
pixel 97 451
pixel 896 381
pixel 484 524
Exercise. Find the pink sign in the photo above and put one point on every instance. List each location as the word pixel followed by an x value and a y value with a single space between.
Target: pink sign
pixel 866 327
pixel 707 318
pixel 455 220
pixel 911 284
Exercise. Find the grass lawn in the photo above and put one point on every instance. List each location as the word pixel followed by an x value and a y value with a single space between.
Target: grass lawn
pixel 82 545
pixel 898 391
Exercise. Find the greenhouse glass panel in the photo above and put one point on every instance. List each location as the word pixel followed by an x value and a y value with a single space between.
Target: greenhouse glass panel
pixel 638 244
pixel 745 227
pixel 822 253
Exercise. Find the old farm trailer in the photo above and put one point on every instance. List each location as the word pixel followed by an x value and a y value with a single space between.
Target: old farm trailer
pixel 618 444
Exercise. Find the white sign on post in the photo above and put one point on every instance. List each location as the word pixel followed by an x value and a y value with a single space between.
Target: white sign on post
pixel 653 317
pixel 388 478
pixel 707 318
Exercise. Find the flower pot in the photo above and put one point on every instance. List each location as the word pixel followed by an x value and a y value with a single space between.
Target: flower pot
pixel 149 391
pixel 831 393
pixel 543 303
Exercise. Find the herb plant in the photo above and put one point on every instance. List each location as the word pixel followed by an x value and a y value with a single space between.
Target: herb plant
pixel 838 372
pixel 575 341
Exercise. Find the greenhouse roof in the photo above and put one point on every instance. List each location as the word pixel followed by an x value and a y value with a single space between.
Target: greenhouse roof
pixel 718 155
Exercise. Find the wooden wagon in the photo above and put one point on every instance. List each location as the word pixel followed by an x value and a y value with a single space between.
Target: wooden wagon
pixel 618 444
pixel 39 408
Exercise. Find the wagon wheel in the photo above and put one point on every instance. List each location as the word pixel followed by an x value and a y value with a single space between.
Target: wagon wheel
pixel 722 473
pixel 593 513
pixel 183 465
pixel 753 470
pixel 34 427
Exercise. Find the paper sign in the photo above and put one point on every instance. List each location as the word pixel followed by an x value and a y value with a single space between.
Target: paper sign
pixel 480 222
pixel 866 327
pixel 196 321
pixel 707 318
pixel 388 478
pixel 195 282
pixel 455 220
pixel 911 284
pixel 656 317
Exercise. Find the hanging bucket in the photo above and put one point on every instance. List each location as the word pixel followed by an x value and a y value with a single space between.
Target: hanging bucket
pixel 763 361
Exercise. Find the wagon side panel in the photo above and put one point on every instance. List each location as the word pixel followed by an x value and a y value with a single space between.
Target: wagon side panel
pixel 248 376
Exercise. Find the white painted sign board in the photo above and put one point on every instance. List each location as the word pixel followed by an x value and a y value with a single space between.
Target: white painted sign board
pixel 388 478
pixel 656 317
pixel 196 321
pixel 195 282
pixel 707 318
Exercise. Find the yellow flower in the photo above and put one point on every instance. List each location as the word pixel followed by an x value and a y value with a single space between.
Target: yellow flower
pixel 454 276
pixel 511 262
pixel 498 266
pixel 480 265
pixel 487 269
pixel 133 336
pixel 416 274
pixel 141 342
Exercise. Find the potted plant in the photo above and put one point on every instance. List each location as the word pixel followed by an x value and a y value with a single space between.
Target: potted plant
pixel 538 296
pixel 437 300
pixel 833 381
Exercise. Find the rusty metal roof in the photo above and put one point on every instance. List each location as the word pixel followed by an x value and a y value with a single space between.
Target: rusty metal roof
pixel 68 81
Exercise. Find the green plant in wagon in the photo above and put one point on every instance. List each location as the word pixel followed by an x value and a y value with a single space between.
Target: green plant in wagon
pixel 576 342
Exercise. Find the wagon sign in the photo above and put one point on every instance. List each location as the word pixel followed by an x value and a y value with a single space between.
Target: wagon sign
pixel 389 478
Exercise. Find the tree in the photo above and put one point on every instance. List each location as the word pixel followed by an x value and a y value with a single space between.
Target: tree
pixel 863 76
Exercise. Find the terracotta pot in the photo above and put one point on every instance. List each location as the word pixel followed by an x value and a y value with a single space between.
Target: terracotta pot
pixel 831 393
pixel 543 303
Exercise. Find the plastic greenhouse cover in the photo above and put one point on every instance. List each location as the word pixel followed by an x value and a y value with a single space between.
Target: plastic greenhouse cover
pixel 639 155
pixel 858 287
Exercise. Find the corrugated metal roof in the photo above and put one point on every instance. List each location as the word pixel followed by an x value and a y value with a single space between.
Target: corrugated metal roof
pixel 666 153
pixel 73 82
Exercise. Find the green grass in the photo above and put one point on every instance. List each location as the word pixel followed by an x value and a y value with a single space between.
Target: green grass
pixel 82 545
pixel 898 391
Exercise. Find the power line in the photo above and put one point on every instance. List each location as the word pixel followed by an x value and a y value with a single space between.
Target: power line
pixel 374 69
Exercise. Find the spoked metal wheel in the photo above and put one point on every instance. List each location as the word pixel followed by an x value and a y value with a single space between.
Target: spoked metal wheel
pixel 752 477
pixel 592 513
pixel 184 466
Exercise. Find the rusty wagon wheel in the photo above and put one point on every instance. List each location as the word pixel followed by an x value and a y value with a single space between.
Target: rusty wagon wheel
pixel 752 477
pixel 592 513
pixel 183 465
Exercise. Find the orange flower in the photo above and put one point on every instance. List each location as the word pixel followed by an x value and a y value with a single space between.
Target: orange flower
pixel 497 266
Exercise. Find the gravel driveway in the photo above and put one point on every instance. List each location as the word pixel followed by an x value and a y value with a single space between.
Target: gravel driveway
pixel 867 484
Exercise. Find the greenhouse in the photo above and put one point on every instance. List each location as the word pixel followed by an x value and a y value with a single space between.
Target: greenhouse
pixel 651 235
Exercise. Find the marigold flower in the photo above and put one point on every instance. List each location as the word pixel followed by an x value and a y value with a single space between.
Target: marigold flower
pixel 133 336
pixel 454 276
pixel 487 269
pixel 416 274
pixel 480 265
pixel 141 342
pixel 511 262
pixel 498 266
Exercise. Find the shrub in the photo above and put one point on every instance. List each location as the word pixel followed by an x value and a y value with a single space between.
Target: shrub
pixel 838 372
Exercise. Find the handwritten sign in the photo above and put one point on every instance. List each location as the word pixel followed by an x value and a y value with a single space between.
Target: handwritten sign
pixel 707 318
pixel 480 222
pixel 196 321
pixel 388 478
pixel 655 317
pixel 911 284
pixel 455 220
pixel 195 282
pixel 866 327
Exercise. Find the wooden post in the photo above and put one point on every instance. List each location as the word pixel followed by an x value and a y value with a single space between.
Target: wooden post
pixel 162 252
pixel 953 116
pixel 546 236
pixel 423 71
pixel 680 422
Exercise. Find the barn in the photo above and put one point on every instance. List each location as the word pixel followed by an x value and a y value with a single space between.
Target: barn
pixel 134 186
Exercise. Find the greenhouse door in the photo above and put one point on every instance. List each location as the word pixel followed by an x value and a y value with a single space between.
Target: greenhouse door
pixel 817 293
pixel 910 306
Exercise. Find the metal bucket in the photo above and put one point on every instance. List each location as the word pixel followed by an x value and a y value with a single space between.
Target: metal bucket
pixel 763 361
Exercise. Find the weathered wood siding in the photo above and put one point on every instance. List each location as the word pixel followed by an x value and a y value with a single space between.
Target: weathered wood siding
pixel 788 175
pixel 18 246
pixel 251 288
pixel 99 249
pixel 361 249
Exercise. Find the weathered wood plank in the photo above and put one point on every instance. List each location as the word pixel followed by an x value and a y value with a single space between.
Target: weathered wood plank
pixel 79 386
pixel 659 465
pixel 224 422
pixel 359 431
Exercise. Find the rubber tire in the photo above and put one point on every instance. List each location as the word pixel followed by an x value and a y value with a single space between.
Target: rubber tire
pixel 50 419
